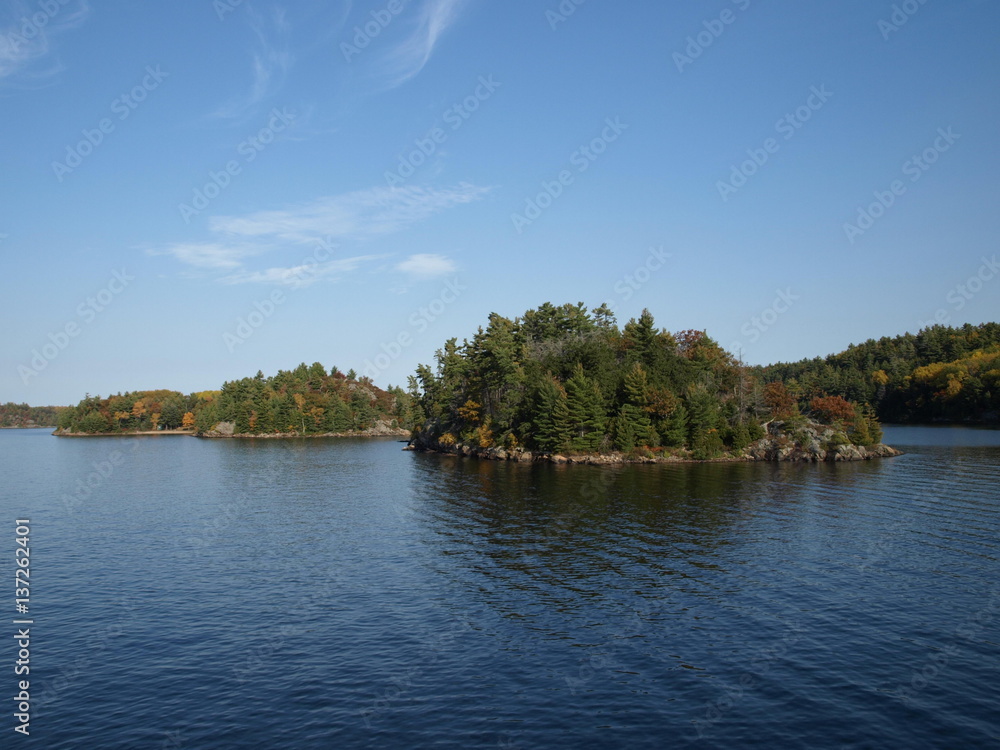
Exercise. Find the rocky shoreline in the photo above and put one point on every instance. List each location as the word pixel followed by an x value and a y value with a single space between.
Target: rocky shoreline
pixel 813 443
pixel 379 429
pixel 142 433
pixel 227 430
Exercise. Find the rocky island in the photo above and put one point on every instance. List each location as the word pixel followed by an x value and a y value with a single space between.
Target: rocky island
pixel 567 385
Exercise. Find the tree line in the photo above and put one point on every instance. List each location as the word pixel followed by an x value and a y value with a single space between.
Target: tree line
pixel 942 373
pixel 22 415
pixel 567 379
pixel 305 401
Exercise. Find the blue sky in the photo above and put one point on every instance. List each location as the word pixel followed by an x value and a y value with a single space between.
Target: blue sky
pixel 194 191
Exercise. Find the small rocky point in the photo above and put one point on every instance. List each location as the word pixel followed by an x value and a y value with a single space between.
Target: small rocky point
pixel 813 442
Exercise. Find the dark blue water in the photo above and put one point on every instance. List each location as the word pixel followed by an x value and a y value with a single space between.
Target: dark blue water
pixel 343 593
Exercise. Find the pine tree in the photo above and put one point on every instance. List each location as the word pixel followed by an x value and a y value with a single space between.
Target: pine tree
pixel 676 431
pixel 861 435
pixel 587 415
pixel 551 423
pixel 632 428
pixel 874 428
pixel 641 335
pixel 635 411
pixel 703 411
pixel 867 430
pixel 339 416
pixel 740 437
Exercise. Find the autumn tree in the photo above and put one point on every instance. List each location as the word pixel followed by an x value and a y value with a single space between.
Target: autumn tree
pixel 833 410
pixel 778 400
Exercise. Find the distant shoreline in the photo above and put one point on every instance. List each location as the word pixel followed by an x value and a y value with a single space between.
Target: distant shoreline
pixel 236 436
pixel 144 433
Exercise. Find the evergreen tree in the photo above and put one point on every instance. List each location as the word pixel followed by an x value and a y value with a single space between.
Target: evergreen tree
pixel 740 439
pixel 587 415
pixel 703 414
pixel 676 429
pixel 633 428
pixel 633 424
pixel 551 423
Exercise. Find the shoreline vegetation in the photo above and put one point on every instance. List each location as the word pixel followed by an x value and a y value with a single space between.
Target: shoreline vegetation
pixel 13 416
pixel 569 385
pixel 223 431
pixel 812 443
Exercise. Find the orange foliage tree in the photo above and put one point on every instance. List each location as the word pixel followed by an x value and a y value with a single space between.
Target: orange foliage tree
pixel 833 409
pixel 778 400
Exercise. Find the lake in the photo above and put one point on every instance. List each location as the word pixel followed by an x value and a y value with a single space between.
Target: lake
pixel 341 593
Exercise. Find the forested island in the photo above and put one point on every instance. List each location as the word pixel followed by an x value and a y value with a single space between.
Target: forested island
pixel 21 415
pixel 568 383
pixel 305 401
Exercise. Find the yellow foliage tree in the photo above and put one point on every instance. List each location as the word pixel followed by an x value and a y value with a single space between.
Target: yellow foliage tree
pixel 187 421
pixel 469 411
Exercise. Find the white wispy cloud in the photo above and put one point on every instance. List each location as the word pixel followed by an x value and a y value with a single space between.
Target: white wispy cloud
pixel 209 255
pixel 356 215
pixel 24 41
pixel 270 65
pixel 359 215
pixel 427 265
pixel 301 275
pixel 407 58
